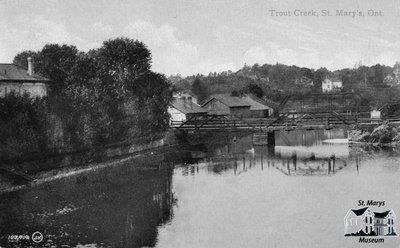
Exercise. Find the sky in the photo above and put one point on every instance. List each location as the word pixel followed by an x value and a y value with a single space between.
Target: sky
pixel 202 36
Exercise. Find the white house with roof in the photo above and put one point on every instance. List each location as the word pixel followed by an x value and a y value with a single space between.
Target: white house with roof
pixel 16 79
pixel 363 220
pixel 182 108
pixel 331 85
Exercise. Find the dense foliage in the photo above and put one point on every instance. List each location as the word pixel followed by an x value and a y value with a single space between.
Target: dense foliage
pixel 103 96
pixel 22 125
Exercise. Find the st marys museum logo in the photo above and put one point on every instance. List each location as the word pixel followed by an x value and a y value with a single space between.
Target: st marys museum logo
pixel 364 222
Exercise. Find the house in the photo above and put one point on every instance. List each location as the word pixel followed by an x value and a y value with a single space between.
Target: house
pixel 16 79
pixel 384 223
pixel 364 221
pixel 224 104
pixel 375 114
pixel 258 107
pixel 331 85
pixel 183 108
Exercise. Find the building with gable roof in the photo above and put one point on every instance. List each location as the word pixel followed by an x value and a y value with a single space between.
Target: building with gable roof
pixel 329 85
pixel 16 79
pixel 245 106
pixel 364 221
pixel 258 107
pixel 224 104
pixel 182 108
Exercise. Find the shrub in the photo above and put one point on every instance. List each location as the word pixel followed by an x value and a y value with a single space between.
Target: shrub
pixel 359 135
pixel 383 134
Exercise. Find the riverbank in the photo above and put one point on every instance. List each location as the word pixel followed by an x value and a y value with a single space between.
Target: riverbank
pixel 385 135
pixel 69 165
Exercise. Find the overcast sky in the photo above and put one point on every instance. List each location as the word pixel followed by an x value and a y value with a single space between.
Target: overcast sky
pixel 190 37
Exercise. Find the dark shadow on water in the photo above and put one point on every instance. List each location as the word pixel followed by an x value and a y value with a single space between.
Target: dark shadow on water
pixel 114 207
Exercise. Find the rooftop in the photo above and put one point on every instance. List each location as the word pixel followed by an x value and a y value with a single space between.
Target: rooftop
pixel 360 211
pixel 230 101
pixel 257 103
pixel 12 73
pixel 187 107
pixel 381 215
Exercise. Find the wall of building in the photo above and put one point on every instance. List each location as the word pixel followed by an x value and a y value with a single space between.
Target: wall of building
pixel 260 113
pixel 176 115
pixel 328 85
pixel 6 88
pixel 33 89
pixel 216 107
pixel 241 112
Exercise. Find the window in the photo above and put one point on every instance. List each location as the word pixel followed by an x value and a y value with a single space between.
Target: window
pixel 366 219
pixel 366 229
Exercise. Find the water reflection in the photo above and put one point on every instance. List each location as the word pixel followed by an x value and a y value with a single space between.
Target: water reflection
pixel 115 207
pixel 295 195
pixel 224 188
pixel 318 158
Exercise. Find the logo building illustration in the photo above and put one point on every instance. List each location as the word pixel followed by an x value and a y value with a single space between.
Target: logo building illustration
pixel 364 222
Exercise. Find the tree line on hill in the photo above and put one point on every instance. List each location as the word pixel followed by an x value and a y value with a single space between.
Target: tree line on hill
pixel 277 81
pixel 102 96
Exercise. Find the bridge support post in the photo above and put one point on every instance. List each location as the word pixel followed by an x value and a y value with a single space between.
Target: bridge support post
pixel 271 139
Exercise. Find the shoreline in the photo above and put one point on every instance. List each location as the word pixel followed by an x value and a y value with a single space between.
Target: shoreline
pixel 57 174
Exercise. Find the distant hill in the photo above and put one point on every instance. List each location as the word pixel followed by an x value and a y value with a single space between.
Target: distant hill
pixel 277 81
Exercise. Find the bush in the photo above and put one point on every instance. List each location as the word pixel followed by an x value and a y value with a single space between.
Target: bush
pixel 359 135
pixel 383 134
pixel 22 126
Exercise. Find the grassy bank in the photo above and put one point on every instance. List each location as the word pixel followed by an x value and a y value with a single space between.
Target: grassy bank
pixel 146 158
pixel 384 135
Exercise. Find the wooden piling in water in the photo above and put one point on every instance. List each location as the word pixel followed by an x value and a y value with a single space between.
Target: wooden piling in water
pixel 294 157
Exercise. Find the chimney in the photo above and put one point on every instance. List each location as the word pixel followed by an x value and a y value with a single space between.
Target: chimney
pixel 183 101
pixel 190 102
pixel 30 67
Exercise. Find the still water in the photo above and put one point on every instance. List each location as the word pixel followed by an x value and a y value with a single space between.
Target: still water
pixel 232 193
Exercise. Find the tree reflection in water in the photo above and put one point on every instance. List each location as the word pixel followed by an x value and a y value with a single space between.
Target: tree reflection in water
pixel 114 207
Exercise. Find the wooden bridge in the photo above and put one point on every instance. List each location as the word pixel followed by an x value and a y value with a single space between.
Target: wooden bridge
pixel 285 121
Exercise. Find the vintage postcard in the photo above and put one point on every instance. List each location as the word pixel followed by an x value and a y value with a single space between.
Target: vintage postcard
pixel 208 123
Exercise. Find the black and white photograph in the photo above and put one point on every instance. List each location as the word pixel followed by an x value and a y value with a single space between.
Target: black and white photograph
pixel 199 123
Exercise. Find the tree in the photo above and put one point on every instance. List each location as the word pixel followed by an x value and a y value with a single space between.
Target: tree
pixel 21 59
pixel 199 89
pixel 84 70
pixel 121 62
pixel 255 89
pixel 153 94
pixel 319 76
pixel 53 61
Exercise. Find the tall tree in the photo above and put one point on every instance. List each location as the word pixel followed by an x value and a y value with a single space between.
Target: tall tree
pixel 121 62
pixel 21 59
pixel 53 61
pixel 199 89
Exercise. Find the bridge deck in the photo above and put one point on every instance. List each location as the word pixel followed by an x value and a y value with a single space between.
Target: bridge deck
pixel 286 121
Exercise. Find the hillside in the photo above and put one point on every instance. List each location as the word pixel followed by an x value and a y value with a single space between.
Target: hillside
pixel 379 83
